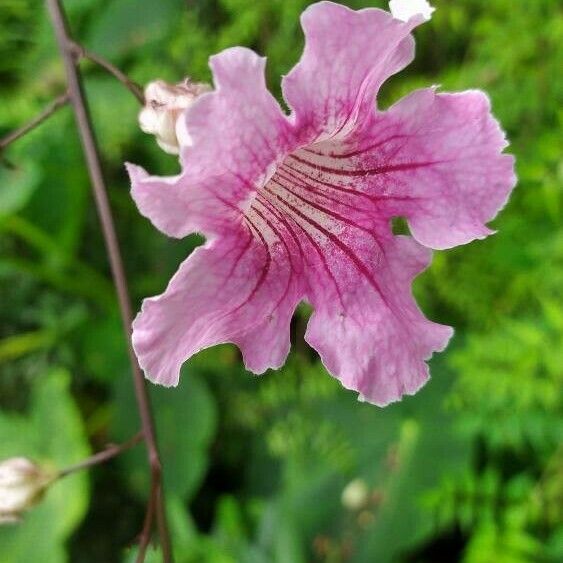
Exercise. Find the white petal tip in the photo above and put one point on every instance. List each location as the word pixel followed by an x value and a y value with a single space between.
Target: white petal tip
pixel 404 10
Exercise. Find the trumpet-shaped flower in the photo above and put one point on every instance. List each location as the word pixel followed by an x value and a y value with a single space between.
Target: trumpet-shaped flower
pixel 298 207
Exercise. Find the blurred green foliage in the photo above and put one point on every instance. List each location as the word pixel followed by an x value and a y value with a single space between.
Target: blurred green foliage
pixel 470 469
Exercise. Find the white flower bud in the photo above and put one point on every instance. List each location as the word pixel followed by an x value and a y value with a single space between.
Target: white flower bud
pixel 164 104
pixel 21 486
pixel 355 495
pixel 404 10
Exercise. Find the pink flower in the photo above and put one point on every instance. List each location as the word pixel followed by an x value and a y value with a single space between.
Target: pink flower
pixel 299 207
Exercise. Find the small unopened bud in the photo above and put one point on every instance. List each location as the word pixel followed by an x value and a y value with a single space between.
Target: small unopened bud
pixel 164 104
pixel 355 495
pixel 404 10
pixel 22 484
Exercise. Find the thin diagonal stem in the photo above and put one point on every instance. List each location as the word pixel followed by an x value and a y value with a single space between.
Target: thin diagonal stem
pixel 131 85
pixel 63 99
pixel 56 104
pixel 101 457
pixel 91 153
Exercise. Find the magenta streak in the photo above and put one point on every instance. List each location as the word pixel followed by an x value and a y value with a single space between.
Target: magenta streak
pixel 361 267
pixel 291 271
pixel 311 188
pixel 263 274
pixel 226 202
pixel 288 226
pixel 293 171
pixel 240 255
pixel 325 266
pixel 358 151
pixel 369 197
pixel 273 228
pixel 368 172
pixel 268 207
pixel 307 187
pixel 272 209
pixel 235 264
pixel 328 211
pixel 282 218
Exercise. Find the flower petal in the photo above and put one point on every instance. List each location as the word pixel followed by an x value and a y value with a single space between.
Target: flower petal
pixel 239 129
pixel 239 289
pixel 367 327
pixel 236 133
pixel 178 207
pixel 438 159
pixel 435 159
pixel 347 56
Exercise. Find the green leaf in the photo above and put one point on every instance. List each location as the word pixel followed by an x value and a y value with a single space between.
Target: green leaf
pixel 17 186
pixel 125 25
pixel 104 349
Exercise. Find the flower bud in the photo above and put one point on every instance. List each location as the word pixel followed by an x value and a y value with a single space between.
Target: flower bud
pixel 22 484
pixel 355 495
pixel 404 10
pixel 164 104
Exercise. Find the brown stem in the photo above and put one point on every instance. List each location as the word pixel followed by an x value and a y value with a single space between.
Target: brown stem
pixel 56 104
pixel 101 457
pixel 161 522
pixel 145 536
pixel 132 86
pixel 91 153
pixel 63 99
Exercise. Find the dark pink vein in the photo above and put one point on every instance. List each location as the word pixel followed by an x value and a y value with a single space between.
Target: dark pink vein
pixel 357 193
pixel 240 255
pixel 329 212
pixel 304 185
pixel 360 266
pixel 368 171
pixel 280 216
pixel 289 255
pixel 263 273
pixel 287 224
pixel 356 152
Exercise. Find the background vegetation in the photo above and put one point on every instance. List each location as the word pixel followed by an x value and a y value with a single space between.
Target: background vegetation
pixel 470 469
